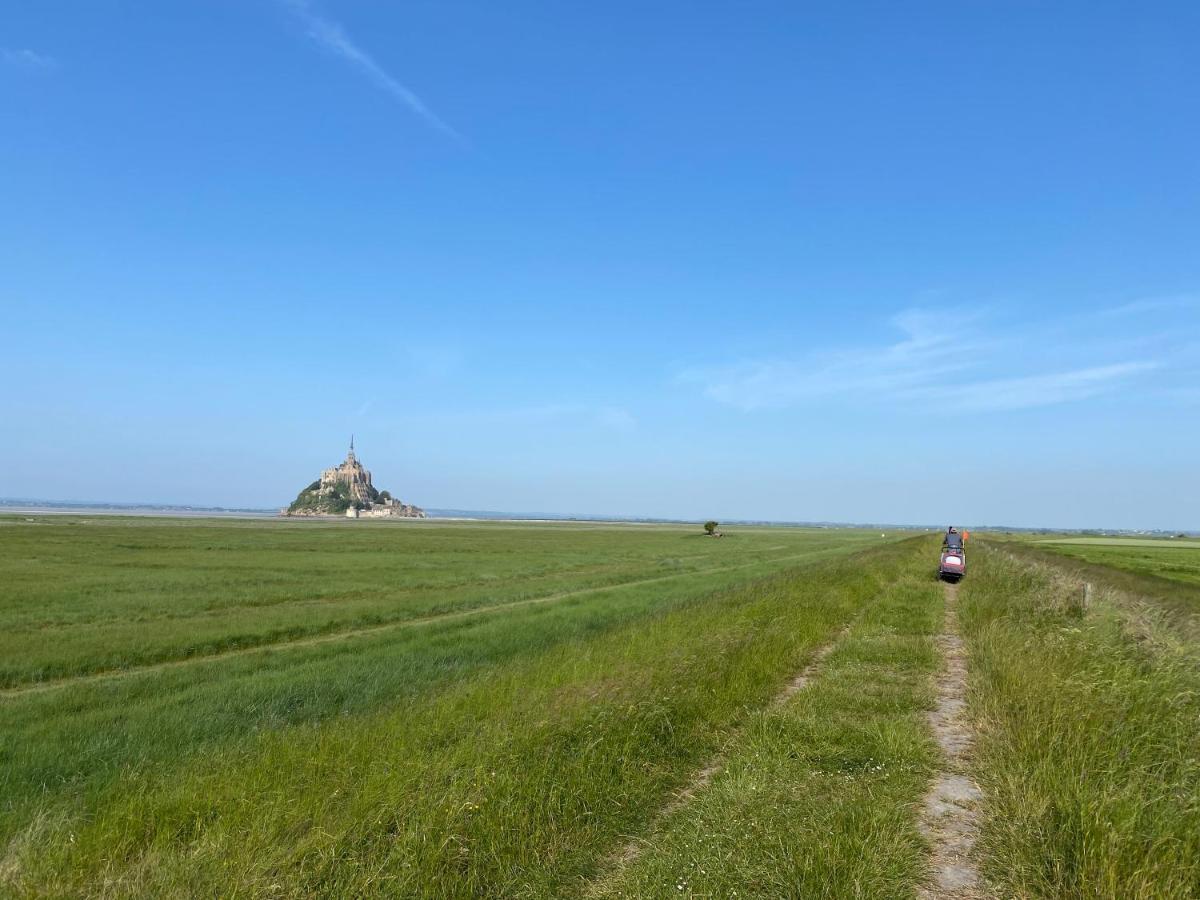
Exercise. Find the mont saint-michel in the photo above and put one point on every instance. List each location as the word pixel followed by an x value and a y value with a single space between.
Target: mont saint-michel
pixel 346 489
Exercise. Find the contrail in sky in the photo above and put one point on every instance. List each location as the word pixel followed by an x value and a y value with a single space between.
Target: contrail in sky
pixel 333 37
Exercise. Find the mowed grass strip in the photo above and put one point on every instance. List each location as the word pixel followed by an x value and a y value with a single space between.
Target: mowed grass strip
pixel 818 797
pixel 510 780
pixel 90 595
pixel 1089 738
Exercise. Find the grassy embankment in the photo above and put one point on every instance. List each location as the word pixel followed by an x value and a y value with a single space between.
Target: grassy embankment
pixel 1161 575
pixel 1089 752
pixel 502 754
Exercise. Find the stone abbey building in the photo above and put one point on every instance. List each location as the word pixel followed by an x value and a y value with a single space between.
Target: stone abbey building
pixel 352 474
pixel 346 489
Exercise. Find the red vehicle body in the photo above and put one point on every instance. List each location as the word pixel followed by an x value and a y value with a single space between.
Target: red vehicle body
pixel 953 565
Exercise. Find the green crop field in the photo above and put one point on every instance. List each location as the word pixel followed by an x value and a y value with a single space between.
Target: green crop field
pixel 1144 543
pixel 1178 560
pixel 282 709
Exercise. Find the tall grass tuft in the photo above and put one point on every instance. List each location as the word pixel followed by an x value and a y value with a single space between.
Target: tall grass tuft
pixel 1089 750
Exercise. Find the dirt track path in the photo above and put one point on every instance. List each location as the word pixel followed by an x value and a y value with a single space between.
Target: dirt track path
pixel 348 634
pixel 701 779
pixel 949 818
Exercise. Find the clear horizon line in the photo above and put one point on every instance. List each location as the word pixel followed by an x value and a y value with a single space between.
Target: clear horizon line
pixel 27 503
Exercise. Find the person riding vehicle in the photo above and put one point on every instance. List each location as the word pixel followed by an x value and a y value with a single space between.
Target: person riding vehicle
pixel 952 540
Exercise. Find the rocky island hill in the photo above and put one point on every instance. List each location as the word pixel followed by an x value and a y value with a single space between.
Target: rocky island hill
pixel 346 490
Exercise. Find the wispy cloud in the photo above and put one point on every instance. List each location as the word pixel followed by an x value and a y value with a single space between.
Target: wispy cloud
pixel 931 347
pixel 29 60
pixel 333 37
pixel 1174 303
pixel 1028 391
pixel 940 361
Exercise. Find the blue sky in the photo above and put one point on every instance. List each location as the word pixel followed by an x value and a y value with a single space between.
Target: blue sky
pixel 857 261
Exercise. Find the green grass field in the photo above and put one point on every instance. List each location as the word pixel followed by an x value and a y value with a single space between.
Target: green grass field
pixel 93 595
pixel 1176 560
pixel 281 709
pixel 1147 543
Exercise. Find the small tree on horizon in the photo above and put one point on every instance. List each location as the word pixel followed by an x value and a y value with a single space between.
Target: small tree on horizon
pixel 710 526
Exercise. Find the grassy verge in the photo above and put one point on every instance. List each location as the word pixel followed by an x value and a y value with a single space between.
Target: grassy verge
pixel 507 780
pixel 1088 750
pixel 818 796
pixel 1167 577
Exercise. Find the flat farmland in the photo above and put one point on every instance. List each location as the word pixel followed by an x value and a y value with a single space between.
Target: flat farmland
pixel 93 595
pixel 1173 559
pixel 143 657
pixel 281 709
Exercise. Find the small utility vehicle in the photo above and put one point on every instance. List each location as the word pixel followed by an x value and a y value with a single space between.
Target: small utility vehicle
pixel 953 564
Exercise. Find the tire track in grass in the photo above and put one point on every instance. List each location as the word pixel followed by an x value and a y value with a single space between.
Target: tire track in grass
pixel 348 634
pixel 798 683
pixel 704 776
pixel 817 796
pixel 949 816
